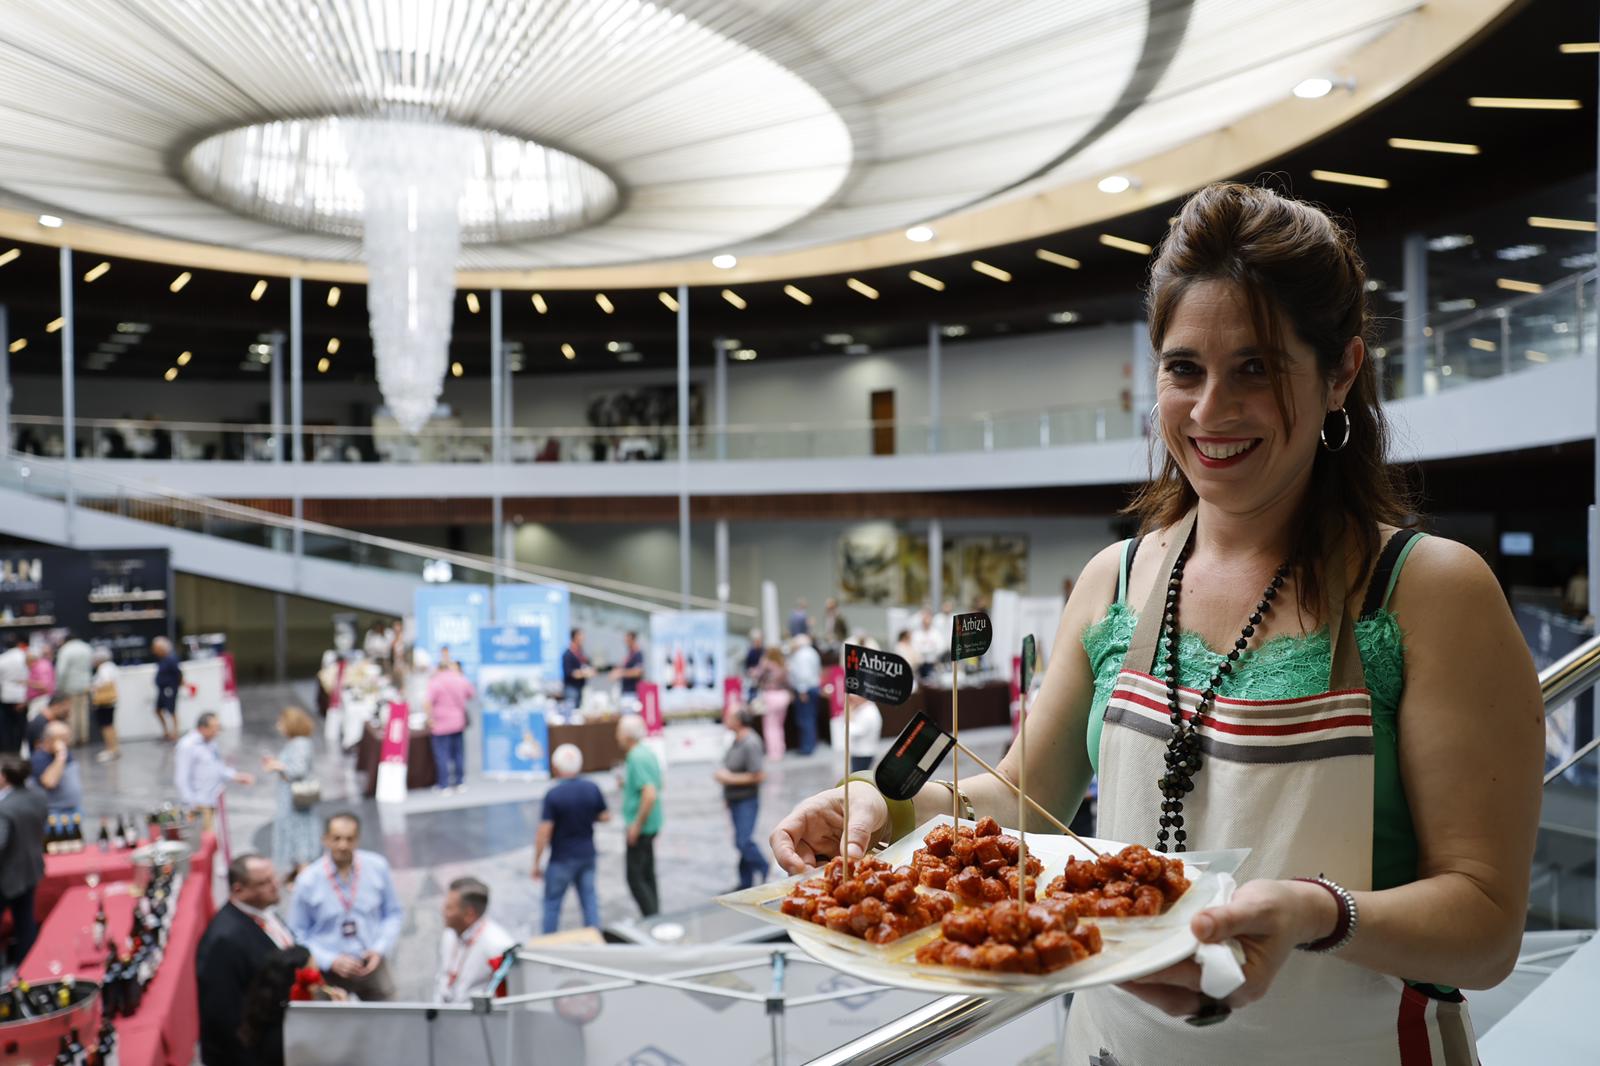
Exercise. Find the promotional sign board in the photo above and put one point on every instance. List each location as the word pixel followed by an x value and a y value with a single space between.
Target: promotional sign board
pixel 879 676
pixel 113 598
pixel 449 616
pixel 911 760
pixel 687 657
pixel 516 736
pixel 650 708
pixel 549 607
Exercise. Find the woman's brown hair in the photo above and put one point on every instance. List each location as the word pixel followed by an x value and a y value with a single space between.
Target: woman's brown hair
pixel 1288 259
pixel 295 722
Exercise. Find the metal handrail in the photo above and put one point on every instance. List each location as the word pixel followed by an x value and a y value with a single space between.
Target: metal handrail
pixel 101 486
pixel 946 1024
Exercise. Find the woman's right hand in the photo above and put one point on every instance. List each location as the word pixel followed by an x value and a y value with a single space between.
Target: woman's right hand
pixel 809 834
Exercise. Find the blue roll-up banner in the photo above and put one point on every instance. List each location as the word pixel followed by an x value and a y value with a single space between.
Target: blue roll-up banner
pixel 549 607
pixel 450 616
pixel 511 675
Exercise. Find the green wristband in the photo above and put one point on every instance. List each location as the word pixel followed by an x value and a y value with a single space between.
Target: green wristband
pixel 902 813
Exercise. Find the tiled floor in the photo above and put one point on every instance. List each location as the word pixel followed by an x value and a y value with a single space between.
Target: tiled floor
pixel 486 832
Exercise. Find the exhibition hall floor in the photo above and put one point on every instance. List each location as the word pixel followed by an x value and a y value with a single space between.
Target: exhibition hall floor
pixel 487 831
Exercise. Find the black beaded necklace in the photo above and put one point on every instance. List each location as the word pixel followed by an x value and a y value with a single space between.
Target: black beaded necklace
pixel 1183 747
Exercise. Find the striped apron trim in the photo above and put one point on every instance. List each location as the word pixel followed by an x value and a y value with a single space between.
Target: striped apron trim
pixel 1434 1031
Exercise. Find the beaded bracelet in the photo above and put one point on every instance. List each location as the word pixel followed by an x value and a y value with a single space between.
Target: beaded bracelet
pixel 1344 930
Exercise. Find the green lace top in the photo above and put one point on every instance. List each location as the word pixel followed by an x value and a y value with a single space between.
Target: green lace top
pixel 1286 667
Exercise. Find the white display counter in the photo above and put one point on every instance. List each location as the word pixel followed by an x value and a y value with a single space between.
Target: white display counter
pixel 204 689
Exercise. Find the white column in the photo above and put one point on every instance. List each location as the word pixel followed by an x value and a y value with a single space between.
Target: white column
pixel 297 408
pixel 683 446
pixel 935 562
pixel 934 403
pixel 496 423
pixel 68 398
pixel 1414 277
pixel 276 396
pixel 723 581
pixel 5 381
pixel 720 401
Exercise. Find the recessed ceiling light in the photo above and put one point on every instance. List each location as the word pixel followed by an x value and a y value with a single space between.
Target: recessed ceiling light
pixel 1580 48
pixel 1446 370
pixel 991 270
pixel 17 345
pixel 1533 356
pixel 1314 88
pixel 472 302
pixel 1581 261
pixel 260 349
pixel 333 345
pixel 1518 252
pixel 55 324
pixel 456 370
pixel 323 364
pixel 1450 242
pixel 180 281
pixel 50 221
pixel 333 296
pixel 9 256
pixel 1340 178
pixel 259 290
pixel 1115 183
pixel 862 287
pixel 1065 318
pixel 539 305
pixel 724 261
pixel 1466 303
pixel 184 357
pixel 1524 103
pixel 605 303
pixel 1057 258
pixel 669 301
pixel 919 234
pixel 797 294
pixel 1124 244
pixel 1380 352
pixel 96 272
pixel 1446 147
pixel 734 298
pixel 569 351
pixel 1577 225
pixel 953 330
pixel 926 279
pixel 1482 344
pixel 630 356
pixel 837 338
pixel 613 346
pixel 171 374
pixel 744 355
pixel 1513 285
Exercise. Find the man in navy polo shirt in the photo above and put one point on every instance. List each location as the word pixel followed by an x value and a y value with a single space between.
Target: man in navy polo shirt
pixel 566 830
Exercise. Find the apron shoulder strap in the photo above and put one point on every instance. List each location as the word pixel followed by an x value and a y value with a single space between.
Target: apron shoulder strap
pixel 1147 634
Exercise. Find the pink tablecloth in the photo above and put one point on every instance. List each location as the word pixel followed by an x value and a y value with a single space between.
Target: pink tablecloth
pixel 62 872
pixel 166 1029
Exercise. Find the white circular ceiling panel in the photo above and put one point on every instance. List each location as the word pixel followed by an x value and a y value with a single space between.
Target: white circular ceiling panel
pixel 618 131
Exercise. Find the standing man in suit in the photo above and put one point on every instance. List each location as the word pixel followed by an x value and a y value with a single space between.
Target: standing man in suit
pixel 22 818
pixel 241 935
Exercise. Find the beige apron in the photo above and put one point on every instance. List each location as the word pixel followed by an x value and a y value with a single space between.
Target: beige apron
pixel 1292 780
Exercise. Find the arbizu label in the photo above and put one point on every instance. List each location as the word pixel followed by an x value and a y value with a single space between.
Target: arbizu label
pixel 879 676
pixel 970 635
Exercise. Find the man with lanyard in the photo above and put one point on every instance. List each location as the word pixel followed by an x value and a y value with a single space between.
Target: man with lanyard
pixel 575 671
pixel 472 946
pixel 346 912
pixel 236 943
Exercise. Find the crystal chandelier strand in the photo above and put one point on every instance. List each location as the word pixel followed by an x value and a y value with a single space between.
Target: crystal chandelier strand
pixel 412 176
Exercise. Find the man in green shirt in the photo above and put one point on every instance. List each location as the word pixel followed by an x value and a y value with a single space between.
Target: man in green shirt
pixel 641 812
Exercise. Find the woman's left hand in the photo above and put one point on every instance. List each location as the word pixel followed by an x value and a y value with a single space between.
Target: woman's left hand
pixel 1267 918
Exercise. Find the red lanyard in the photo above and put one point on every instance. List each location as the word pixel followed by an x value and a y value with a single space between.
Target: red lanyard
pixel 463 949
pixel 348 902
pixel 272 934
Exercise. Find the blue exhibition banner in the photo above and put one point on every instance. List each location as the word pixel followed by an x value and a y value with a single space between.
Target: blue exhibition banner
pixel 548 607
pixel 449 616
pixel 516 737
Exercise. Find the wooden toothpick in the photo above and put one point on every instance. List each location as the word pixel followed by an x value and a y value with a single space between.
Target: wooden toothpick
pixel 955 731
pixel 1022 795
pixel 844 830
pixel 1046 815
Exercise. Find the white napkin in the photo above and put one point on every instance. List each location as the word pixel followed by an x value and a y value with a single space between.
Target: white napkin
pixel 1221 965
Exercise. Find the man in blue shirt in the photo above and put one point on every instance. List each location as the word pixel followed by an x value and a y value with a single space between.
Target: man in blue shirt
pixel 575 670
pixel 346 912
pixel 169 679
pixel 55 770
pixel 566 830
pixel 632 668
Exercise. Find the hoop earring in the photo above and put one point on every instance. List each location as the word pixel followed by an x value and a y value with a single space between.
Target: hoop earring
pixel 1155 416
pixel 1344 439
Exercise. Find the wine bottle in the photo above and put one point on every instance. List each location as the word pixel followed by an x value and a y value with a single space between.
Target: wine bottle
pixel 64 993
pixel 22 999
pixel 107 1048
pixel 75 1045
pixel 77 832
pixel 64 1054
pixel 117 841
pixel 51 835
pixel 110 985
pixel 100 924
pixel 105 836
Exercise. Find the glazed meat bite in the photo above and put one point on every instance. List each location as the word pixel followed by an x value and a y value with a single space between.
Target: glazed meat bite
pixel 876 903
pixel 1011 938
pixel 1135 882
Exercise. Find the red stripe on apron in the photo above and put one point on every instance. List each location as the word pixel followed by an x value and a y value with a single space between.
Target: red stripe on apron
pixel 1413 1029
